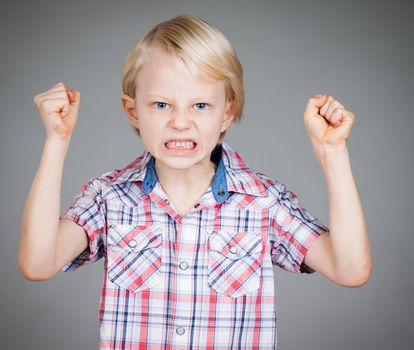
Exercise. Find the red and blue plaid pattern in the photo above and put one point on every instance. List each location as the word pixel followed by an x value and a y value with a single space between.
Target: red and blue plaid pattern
pixel 202 281
pixel 133 258
pixel 234 261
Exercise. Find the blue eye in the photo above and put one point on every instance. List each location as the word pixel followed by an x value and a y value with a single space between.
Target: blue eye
pixel 201 106
pixel 160 105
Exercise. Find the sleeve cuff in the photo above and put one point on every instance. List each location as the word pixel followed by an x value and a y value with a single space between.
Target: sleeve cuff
pixel 303 268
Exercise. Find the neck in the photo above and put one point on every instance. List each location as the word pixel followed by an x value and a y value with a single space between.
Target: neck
pixel 194 180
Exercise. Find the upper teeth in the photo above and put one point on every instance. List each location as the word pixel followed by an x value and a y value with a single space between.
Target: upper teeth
pixel 184 144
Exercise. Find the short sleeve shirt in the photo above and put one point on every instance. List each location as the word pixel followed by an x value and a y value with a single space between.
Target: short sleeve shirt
pixel 200 281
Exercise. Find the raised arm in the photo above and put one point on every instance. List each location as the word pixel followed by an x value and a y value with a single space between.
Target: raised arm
pixel 342 255
pixel 45 241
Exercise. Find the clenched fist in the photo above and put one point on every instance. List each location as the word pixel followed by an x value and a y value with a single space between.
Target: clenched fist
pixel 327 123
pixel 58 108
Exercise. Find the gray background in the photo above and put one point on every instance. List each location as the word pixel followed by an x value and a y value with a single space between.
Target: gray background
pixel 360 52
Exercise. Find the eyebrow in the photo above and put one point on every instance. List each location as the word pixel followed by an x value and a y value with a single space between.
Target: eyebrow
pixel 194 99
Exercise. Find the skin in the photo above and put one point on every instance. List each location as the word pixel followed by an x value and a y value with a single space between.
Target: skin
pixel 343 255
pixel 47 243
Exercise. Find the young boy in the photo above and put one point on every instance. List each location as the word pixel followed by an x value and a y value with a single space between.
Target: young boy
pixel 188 231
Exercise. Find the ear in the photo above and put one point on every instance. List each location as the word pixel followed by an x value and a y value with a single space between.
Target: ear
pixel 228 116
pixel 128 105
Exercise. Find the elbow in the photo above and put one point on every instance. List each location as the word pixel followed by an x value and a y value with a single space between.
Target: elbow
pixel 34 275
pixel 357 277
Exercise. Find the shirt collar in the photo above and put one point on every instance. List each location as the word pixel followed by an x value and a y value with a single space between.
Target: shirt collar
pixel 232 174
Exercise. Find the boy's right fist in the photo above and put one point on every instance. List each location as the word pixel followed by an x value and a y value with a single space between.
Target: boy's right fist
pixel 58 108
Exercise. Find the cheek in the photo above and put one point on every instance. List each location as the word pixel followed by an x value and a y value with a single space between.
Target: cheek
pixel 211 128
pixel 154 128
pixel 150 126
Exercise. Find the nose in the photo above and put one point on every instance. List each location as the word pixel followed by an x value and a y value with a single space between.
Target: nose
pixel 180 120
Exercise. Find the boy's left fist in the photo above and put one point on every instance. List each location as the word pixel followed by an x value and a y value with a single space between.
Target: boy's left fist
pixel 327 121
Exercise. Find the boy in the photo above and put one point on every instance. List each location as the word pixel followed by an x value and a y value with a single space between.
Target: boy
pixel 188 231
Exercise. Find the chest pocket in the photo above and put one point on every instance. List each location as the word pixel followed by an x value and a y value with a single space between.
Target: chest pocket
pixel 134 256
pixel 235 260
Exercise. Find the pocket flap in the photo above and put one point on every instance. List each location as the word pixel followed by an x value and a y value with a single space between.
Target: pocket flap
pixel 235 245
pixel 134 237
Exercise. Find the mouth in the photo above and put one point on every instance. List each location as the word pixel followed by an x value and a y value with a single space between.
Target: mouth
pixel 180 144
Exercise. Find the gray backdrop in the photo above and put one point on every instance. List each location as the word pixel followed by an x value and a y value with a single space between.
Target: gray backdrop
pixel 360 52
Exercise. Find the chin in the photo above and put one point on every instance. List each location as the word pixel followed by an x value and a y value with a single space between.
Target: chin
pixel 179 162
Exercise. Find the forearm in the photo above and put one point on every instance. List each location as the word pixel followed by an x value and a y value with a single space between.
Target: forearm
pixel 40 220
pixel 348 232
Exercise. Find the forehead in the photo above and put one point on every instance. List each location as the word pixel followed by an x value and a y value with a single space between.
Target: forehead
pixel 167 74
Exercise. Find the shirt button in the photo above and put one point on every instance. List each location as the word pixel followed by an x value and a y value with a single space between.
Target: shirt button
pixel 233 250
pixel 197 205
pixel 167 201
pixel 180 330
pixel 183 265
pixel 132 243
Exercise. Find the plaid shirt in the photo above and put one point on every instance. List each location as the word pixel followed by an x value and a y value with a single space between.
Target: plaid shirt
pixel 202 281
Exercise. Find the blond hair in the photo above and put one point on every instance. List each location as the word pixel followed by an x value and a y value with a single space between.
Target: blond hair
pixel 201 46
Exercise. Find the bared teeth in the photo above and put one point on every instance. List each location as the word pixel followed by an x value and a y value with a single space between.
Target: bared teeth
pixel 180 144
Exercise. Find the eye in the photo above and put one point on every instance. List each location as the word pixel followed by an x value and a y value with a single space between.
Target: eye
pixel 160 105
pixel 201 106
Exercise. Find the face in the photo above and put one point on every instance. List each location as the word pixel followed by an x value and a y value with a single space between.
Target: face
pixel 180 118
